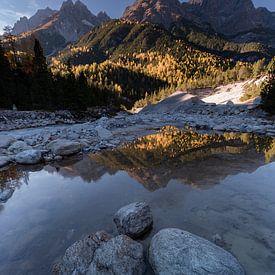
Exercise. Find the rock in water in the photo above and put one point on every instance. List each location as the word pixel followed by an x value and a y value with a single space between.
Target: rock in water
pixel 4 161
pixel 101 254
pixel 19 146
pixel 79 256
pixel 134 220
pixel 28 157
pixel 120 255
pixel 6 195
pixel 6 141
pixel 62 147
pixel 174 251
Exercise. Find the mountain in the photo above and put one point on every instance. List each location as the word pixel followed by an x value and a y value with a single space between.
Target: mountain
pixel 25 24
pixel 155 11
pixel 237 20
pixel 65 26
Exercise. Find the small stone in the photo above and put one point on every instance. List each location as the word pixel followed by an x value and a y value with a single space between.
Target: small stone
pixel 134 220
pixel 64 147
pixel 19 146
pixel 6 195
pixel 4 161
pixel 28 157
pixel 6 141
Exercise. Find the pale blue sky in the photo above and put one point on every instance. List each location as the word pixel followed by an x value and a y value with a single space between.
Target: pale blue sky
pixel 11 10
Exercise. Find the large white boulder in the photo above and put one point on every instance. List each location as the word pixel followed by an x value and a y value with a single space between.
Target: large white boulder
pixel 63 147
pixel 177 252
pixel 28 157
pixel 134 220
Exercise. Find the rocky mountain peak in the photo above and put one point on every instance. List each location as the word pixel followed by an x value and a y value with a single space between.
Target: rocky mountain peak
pixel 155 11
pixel 24 24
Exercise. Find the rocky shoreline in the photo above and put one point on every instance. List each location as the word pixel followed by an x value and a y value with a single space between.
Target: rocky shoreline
pixel 52 143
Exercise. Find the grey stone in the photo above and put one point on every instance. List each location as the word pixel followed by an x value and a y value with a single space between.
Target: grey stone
pixel 99 253
pixel 6 195
pixel 6 141
pixel 4 161
pixel 64 147
pixel 103 133
pixel 134 220
pixel 175 252
pixel 19 146
pixel 28 157
pixel 120 255
pixel 79 256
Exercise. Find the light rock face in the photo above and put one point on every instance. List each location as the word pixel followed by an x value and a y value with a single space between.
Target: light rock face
pixel 101 254
pixel 134 220
pixel 6 141
pixel 156 11
pixel 67 25
pixel 174 251
pixel 4 161
pixel 28 157
pixel 18 147
pixel 62 147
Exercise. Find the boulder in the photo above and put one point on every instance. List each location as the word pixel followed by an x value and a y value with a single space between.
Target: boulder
pixel 99 253
pixel 63 147
pixel 103 133
pixel 120 255
pixel 79 256
pixel 174 251
pixel 18 147
pixel 4 161
pixel 6 141
pixel 134 220
pixel 28 157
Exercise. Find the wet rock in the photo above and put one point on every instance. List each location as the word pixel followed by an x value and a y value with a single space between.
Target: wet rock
pixel 29 157
pixel 174 251
pixel 64 147
pixel 120 255
pixel 19 146
pixel 5 195
pixel 101 254
pixel 6 141
pixel 4 161
pixel 79 256
pixel 134 220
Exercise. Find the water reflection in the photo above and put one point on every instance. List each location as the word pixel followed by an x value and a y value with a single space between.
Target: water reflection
pixel 199 159
pixel 220 187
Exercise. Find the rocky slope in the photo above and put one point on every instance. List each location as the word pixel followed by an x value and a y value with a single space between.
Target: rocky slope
pixel 24 24
pixel 156 11
pixel 67 25
pixel 237 19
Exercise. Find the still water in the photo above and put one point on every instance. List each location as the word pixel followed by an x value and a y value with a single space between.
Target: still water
pixel 221 187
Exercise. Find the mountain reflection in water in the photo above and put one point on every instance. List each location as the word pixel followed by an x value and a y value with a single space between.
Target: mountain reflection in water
pixel 219 187
pixel 199 159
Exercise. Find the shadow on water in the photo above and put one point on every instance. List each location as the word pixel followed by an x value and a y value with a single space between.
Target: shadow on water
pixel 219 186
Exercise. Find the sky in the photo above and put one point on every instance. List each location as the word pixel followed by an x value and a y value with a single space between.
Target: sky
pixel 12 10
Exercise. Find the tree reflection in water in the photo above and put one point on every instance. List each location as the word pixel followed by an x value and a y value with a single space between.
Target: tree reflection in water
pixel 11 178
pixel 200 159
